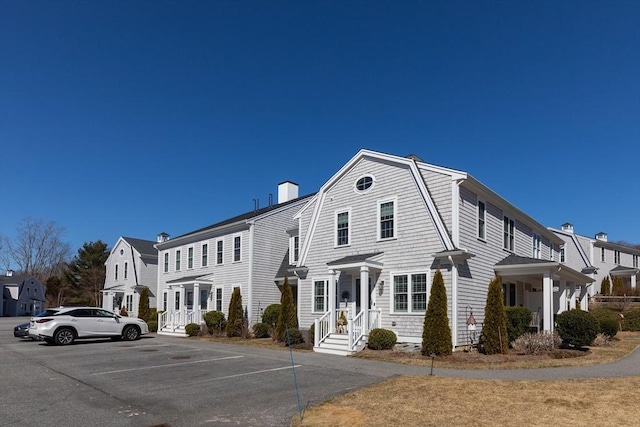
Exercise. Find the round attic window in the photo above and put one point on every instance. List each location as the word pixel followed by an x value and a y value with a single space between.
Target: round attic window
pixel 121 251
pixel 364 184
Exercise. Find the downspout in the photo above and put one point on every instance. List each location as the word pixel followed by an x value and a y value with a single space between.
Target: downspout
pixel 454 302
pixel 250 281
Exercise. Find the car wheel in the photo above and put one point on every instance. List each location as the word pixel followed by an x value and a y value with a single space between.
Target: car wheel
pixel 131 333
pixel 64 336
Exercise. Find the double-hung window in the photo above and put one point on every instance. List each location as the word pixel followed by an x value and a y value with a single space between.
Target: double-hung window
pixel 320 296
pixel 219 252
pixel 116 273
pixel 603 257
pixel 616 257
pixel 536 246
pixel 294 249
pixel 342 228
pixel 218 299
pixel 178 256
pixel 126 269
pixel 482 213
pixel 509 233
pixel 205 255
pixel 562 254
pixel 635 261
pixel 190 258
pixel 386 219
pixel 410 293
pixel 166 264
pixel 237 248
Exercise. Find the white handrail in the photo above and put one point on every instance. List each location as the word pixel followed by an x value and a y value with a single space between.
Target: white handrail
pixel 356 331
pixel 374 319
pixel 322 328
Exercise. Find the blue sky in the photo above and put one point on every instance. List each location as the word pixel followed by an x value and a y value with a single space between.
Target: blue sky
pixel 132 118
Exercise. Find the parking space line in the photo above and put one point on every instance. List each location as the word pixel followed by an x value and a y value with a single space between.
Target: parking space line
pixel 165 365
pixel 246 374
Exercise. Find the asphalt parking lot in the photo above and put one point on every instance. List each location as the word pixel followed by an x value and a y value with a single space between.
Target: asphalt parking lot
pixel 158 379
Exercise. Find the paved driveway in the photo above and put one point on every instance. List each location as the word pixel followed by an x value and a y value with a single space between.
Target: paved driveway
pixel 190 383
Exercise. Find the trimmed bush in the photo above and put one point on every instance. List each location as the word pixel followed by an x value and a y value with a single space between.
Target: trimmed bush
pixel 288 317
pixel 631 321
pixel 261 330
pixel 529 343
pixel 215 322
pixel 518 321
pixel 192 329
pixel 436 333
pixel 143 305
pixel 494 338
pixel 312 333
pixel 153 325
pixel 577 328
pixel 295 337
pixel 235 323
pixel 608 321
pixel 382 339
pixel 270 314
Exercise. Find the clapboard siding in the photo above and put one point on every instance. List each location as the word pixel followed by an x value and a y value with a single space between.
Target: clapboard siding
pixel 439 187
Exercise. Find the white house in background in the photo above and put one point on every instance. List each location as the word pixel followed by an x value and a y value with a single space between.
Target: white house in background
pixel 372 237
pixel 131 266
pixel 21 295
pixel 598 258
pixel 199 270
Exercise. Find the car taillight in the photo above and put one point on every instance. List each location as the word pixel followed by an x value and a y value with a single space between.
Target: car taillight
pixel 43 320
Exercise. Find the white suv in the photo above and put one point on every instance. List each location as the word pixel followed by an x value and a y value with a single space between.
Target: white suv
pixel 66 324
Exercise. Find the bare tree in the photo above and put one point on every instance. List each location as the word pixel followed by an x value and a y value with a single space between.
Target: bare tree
pixel 37 250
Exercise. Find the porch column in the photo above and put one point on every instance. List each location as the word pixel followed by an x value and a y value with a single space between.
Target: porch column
pixel 572 299
pixel 196 303
pixel 332 300
pixel 547 302
pixel 364 298
pixel 633 281
pixel 562 298
pixel 183 305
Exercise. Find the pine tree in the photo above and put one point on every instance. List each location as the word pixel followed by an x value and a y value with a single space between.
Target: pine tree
pixel 288 318
pixel 236 314
pixel 605 286
pixel 143 306
pixel 494 337
pixel 436 333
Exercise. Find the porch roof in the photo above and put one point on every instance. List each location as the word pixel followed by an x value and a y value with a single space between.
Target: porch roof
pixel 514 265
pixel 191 279
pixel 358 260
pixel 624 271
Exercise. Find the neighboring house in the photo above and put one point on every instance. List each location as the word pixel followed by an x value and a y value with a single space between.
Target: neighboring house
pixel 22 295
pixel 371 239
pixel 199 270
pixel 599 258
pixel 131 266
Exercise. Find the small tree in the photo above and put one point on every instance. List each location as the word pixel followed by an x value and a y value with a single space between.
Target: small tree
pixel 605 286
pixel 143 307
pixel 617 288
pixel 494 337
pixel 236 315
pixel 288 317
pixel 436 333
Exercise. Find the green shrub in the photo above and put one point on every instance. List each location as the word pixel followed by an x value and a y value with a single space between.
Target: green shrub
pixel 192 329
pixel 494 338
pixel 436 333
pixel 631 321
pixel 295 337
pixel 518 321
pixel 608 321
pixel 605 286
pixel 153 325
pixel 617 287
pixel 577 328
pixel 235 322
pixel 312 333
pixel 382 339
pixel 152 315
pixel 261 330
pixel 143 305
pixel 215 321
pixel 288 317
pixel 270 314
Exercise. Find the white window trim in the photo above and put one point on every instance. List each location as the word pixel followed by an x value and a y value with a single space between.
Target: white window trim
pixel 222 251
pixel 603 255
pixel 233 254
pixel 512 241
pixel 125 270
pixel 292 249
pixel 204 254
pixel 562 254
pixel 115 275
pixel 166 262
pixel 355 184
pixel 215 298
pixel 190 254
pixel 537 246
pixel 484 220
pixel 327 282
pixel 177 265
pixel 335 228
pixel 616 257
pixel 408 273
pixel 395 219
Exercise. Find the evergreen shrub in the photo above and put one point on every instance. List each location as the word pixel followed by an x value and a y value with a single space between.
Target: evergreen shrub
pixel 605 286
pixel 494 338
pixel 192 329
pixel 312 333
pixel 608 321
pixel 382 339
pixel 261 330
pixel 436 332
pixel 143 305
pixel 153 325
pixel 270 314
pixel 577 328
pixel 631 321
pixel 295 337
pixel 215 322
pixel 288 317
pixel 518 321
pixel 235 322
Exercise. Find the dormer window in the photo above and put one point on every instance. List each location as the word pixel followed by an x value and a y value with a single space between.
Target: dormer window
pixel 364 184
